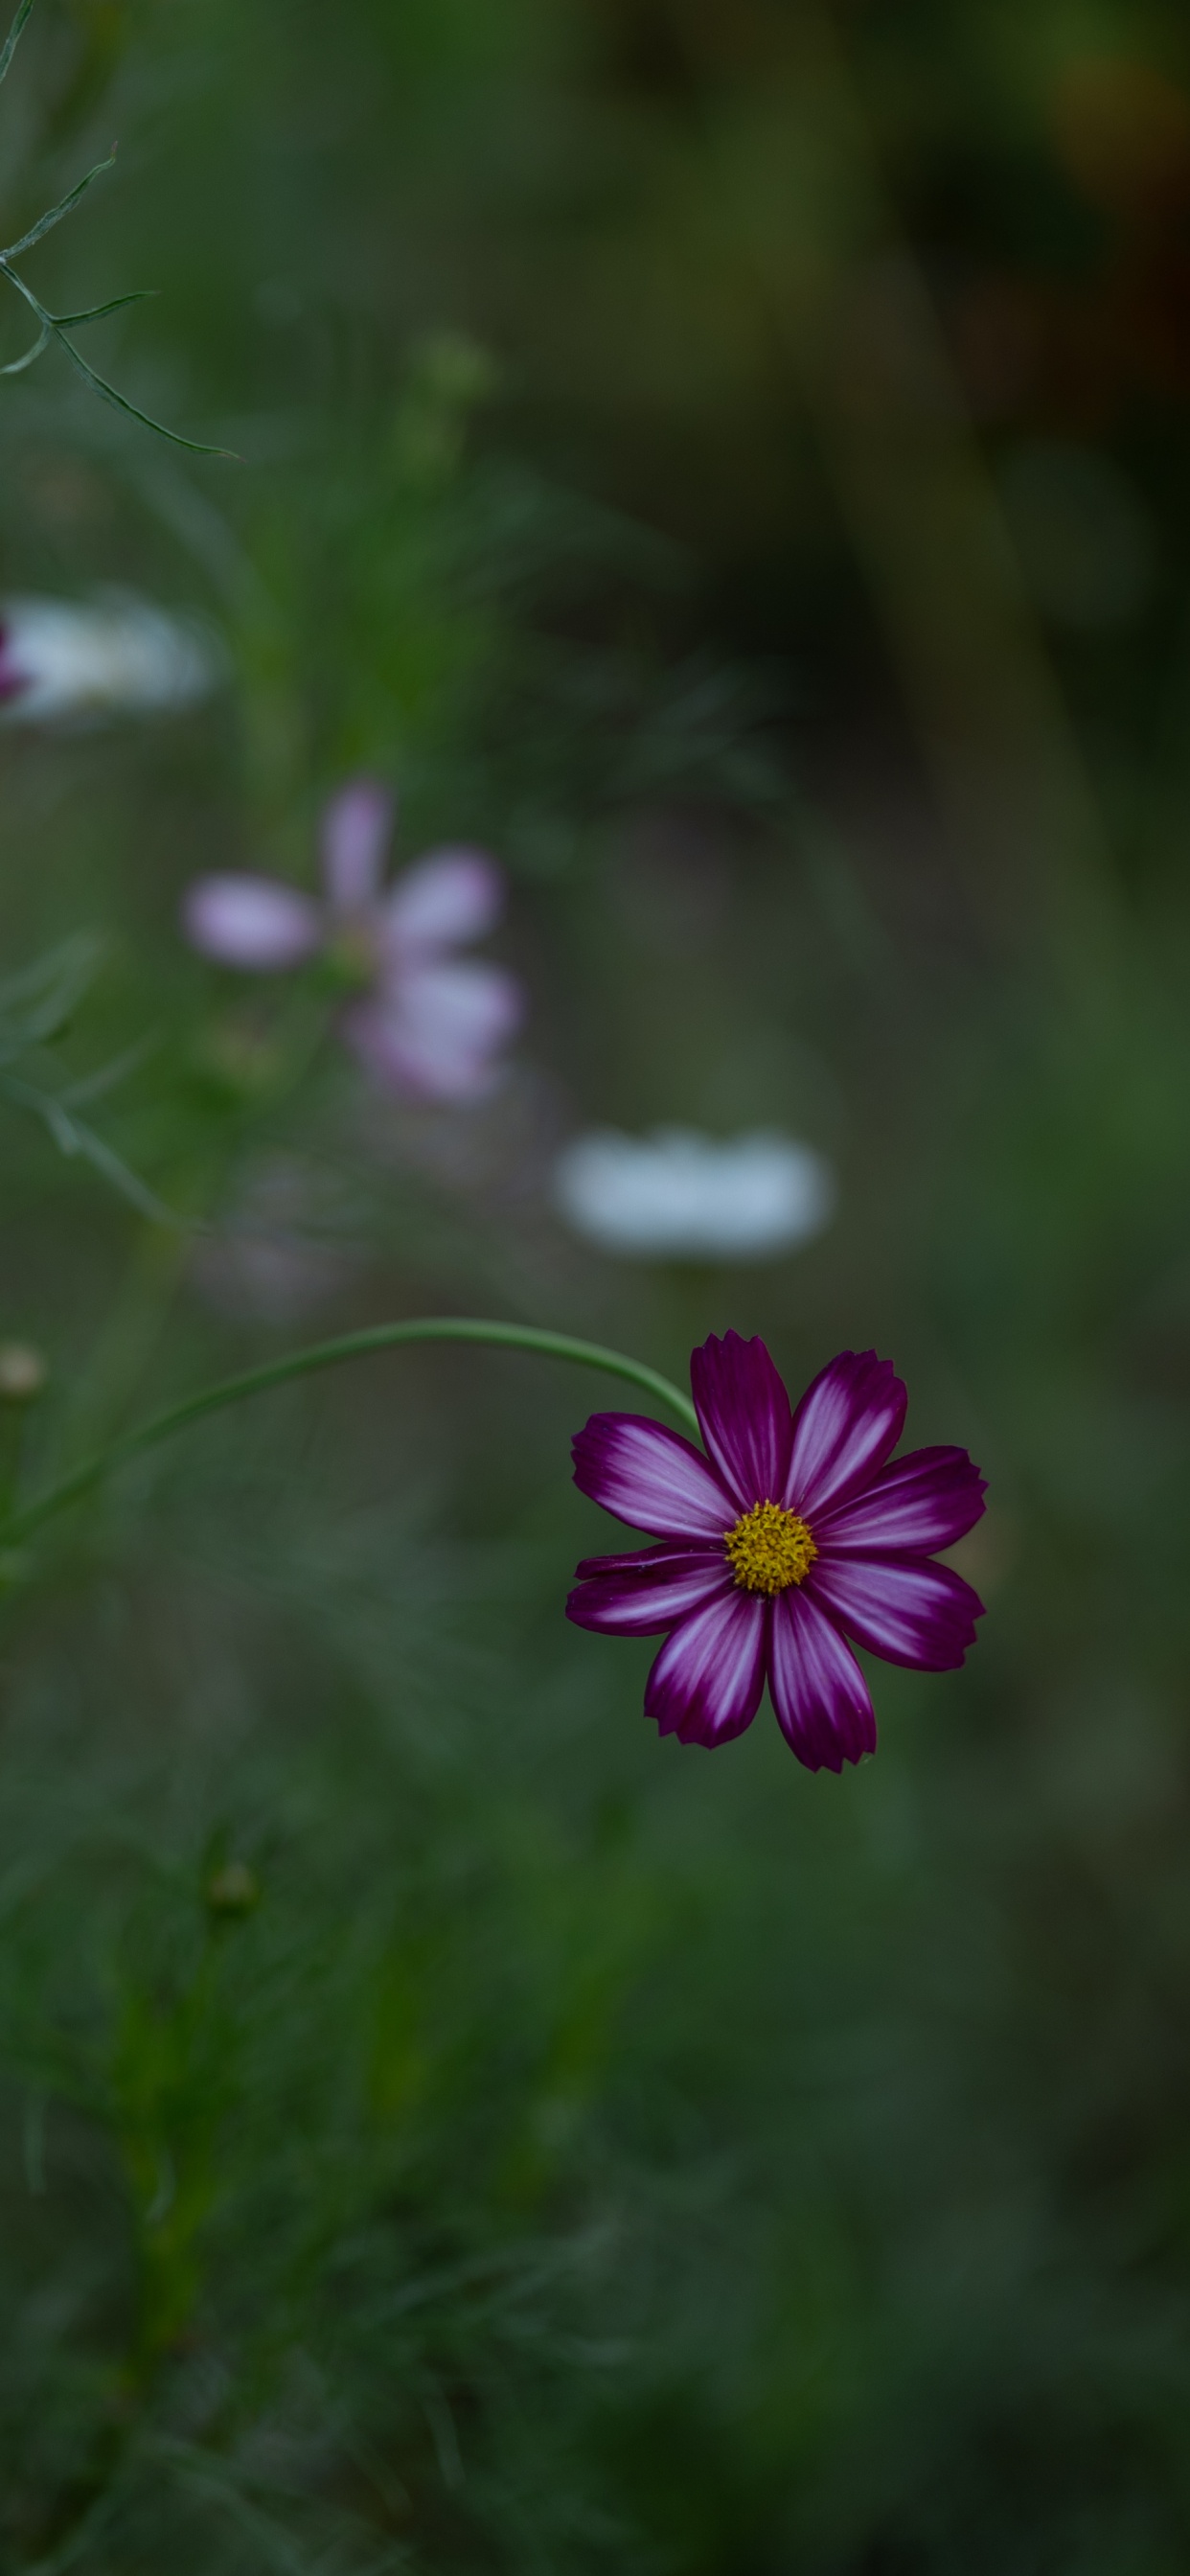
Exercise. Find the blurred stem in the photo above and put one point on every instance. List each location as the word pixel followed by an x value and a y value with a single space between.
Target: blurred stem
pixel 12 1441
pixel 851 311
pixel 320 1355
pixel 127 1340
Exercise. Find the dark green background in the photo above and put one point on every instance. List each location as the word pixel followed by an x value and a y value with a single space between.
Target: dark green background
pixel 587 2154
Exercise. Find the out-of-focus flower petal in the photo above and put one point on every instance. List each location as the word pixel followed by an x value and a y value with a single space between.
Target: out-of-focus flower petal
pixel 255 923
pixel 639 1596
pixel 706 1683
pixel 923 1501
pixel 64 660
pixel 448 897
pixel 652 1478
pixel 909 1610
pixel 356 827
pixel 844 1427
pixel 677 1195
pixel 744 1416
pixel 823 1704
pixel 436 1032
pixel 15 675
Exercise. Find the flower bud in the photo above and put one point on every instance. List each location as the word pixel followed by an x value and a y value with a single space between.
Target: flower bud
pixel 233 1890
pixel 23 1372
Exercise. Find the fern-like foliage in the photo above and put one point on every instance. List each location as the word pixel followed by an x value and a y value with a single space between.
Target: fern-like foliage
pixel 57 327
pixel 36 1008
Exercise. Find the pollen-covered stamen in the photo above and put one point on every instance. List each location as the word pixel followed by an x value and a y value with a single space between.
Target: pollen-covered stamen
pixel 769 1548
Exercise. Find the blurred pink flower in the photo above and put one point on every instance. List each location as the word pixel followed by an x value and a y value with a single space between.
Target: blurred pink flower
pixel 426 1022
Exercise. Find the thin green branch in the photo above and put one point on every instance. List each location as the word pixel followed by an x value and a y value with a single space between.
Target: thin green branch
pixel 53 324
pixel 75 1137
pixel 107 393
pixel 347 1346
pixel 97 312
pixel 17 366
pixel 69 966
pixel 107 1077
pixel 49 1000
pixel 13 37
pixel 54 214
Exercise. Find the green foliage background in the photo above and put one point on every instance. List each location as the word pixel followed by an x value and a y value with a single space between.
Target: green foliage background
pixel 562 2152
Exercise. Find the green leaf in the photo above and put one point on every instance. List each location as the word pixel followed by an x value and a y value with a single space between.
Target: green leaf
pixel 45 223
pixel 96 312
pixel 74 1137
pixel 14 35
pixel 76 959
pixel 99 384
pixel 36 1005
pixel 108 393
pixel 33 301
pixel 17 366
pixel 104 1160
pixel 95 1086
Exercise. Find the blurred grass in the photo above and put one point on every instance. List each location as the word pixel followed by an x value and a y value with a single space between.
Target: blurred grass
pixel 581 2154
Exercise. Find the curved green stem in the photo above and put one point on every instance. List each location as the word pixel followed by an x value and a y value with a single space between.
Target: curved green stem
pixel 320 1355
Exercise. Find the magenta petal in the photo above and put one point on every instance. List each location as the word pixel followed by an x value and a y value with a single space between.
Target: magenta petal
pixel 843 1430
pixel 923 1501
pixel 356 827
pixel 650 1476
pixel 822 1701
pixel 639 1596
pixel 744 1416
pixel 448 897
pixel 666 1553
pixel 706 1683
pixel 905 1609
pixel 255 923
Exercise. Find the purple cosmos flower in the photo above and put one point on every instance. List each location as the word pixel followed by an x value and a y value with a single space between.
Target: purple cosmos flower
pixel 791 1535
pixel 425 1022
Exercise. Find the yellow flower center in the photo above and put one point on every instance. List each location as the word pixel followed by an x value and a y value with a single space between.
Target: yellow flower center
pixel 769 1548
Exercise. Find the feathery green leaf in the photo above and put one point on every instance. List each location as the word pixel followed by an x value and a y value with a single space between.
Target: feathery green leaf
pixel 17 366
pixel 54 214
pixel 13 37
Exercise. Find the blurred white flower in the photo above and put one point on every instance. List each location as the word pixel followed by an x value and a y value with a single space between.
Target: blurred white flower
pixel 63 659
pixel 677 1194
